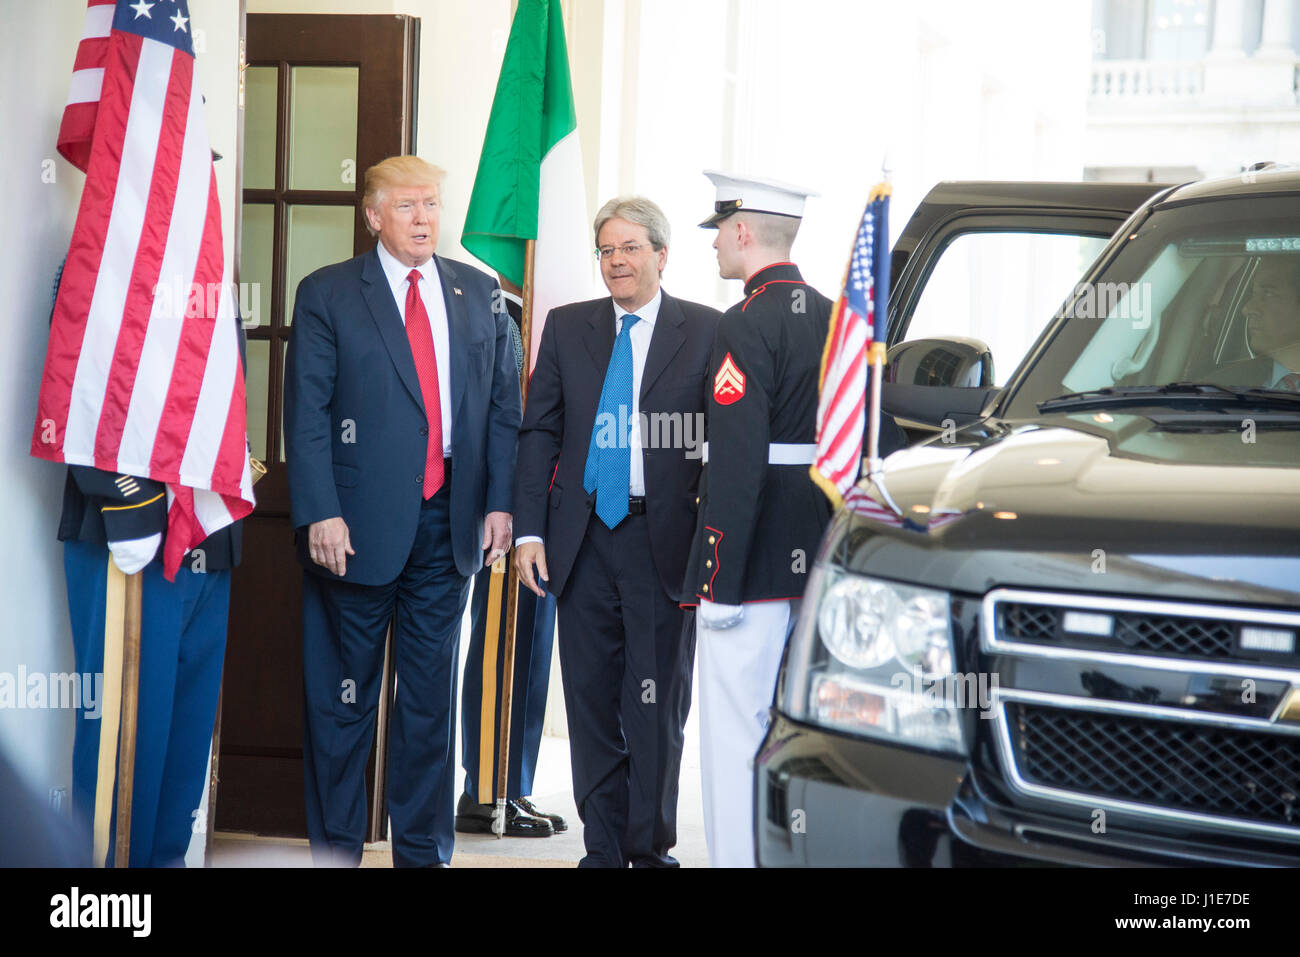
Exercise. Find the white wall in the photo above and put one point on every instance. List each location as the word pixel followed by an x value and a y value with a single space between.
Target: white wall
pixel 39 204
pixel 817 92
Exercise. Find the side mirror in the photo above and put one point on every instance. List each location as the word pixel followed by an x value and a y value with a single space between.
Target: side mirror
pixel 955 363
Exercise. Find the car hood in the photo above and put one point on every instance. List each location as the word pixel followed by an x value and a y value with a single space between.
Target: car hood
pixel 1108 502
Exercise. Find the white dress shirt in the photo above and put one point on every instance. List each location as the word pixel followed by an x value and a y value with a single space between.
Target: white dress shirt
pixel 639 338
pixel 436 307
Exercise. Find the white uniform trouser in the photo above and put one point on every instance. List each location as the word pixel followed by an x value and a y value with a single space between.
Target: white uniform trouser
pixel 738 669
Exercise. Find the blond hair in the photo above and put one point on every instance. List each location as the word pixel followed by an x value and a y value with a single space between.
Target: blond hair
pixel 395 173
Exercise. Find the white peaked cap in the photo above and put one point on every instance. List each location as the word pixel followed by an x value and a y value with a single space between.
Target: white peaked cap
pixel 754 194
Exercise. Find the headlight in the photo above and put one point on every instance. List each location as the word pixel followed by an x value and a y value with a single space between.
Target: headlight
pixel 874 657
pixel 866 623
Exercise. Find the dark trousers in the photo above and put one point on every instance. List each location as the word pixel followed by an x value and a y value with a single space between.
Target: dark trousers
pixel 344 626
pixel 534 641
pixel 182 647
pixel 626 667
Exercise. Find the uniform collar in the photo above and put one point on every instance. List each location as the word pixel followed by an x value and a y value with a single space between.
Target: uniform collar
pixel 787 272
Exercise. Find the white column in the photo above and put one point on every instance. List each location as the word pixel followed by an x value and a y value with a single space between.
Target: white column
pixel 1275 39
pixel 1228 28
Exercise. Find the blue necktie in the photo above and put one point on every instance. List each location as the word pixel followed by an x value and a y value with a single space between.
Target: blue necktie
pixel 609 469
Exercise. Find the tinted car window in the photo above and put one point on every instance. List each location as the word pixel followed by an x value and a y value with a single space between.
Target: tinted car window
pixel 1208 292
pixel 998 287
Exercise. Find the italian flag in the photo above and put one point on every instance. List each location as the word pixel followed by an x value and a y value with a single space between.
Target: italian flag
pixel 529 183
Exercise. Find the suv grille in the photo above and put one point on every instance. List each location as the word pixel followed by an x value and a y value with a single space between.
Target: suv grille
pixel 1171 764
pixel 1133 631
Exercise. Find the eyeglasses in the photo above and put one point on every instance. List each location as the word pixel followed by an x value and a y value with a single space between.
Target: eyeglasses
pixel 627 249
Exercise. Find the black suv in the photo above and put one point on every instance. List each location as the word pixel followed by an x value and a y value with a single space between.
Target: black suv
pixel 1063 626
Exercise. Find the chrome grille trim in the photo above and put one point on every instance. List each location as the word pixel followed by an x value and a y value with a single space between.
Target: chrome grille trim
pixel 1011 769
pixel 990 643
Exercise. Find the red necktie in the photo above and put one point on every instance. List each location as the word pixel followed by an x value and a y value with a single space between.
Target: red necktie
pixel 426 367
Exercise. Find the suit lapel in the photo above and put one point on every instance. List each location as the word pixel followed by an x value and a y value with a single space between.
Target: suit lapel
pixel 458 337
pixel 664 343
pixel 599 339
pixel 383 309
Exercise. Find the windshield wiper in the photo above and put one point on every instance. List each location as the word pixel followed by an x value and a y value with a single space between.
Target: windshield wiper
pixel 1175 393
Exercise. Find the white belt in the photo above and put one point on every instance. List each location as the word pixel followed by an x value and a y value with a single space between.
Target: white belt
pixel 781 453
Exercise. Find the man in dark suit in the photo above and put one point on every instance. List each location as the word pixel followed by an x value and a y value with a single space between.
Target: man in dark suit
pixel 617 399
pixel 401 411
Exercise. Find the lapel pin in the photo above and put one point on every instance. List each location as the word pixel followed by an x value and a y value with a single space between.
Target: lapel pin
pixel 455 290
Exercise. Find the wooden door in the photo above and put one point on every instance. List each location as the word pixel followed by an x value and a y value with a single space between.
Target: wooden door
pixel 325 98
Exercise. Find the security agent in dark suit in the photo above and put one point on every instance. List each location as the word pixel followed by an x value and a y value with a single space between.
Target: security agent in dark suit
pixel 485 677
pixel 616 399
pixel 761 517
pixel 401 411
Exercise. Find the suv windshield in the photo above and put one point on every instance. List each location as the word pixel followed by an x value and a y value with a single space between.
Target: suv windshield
pixel 1207 292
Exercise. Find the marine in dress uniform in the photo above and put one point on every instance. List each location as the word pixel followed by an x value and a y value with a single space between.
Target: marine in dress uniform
pixel 484 669
pixel 760 515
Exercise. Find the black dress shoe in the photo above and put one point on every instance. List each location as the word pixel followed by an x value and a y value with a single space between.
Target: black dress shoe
pixel 557 822
pixel 475 818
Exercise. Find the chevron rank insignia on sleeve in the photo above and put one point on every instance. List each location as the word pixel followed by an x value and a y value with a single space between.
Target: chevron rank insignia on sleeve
pixel 729 382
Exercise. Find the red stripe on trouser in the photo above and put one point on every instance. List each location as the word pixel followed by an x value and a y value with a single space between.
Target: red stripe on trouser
pixel 159 210
pixel 72 308
pixel 191 350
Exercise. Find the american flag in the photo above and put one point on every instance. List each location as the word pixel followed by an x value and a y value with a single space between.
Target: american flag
pixel 143 374
pixel 841 413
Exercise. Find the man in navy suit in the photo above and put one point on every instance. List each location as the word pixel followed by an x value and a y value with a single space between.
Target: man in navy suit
pixel 401 412
pixel 617 399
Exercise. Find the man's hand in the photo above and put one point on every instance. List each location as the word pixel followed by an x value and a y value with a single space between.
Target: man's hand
pixel 133 554
pixel 719 617
pixel 526 555
pixel 496 535
pixel 329 544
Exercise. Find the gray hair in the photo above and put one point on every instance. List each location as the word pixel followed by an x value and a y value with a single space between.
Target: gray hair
pixel 639 210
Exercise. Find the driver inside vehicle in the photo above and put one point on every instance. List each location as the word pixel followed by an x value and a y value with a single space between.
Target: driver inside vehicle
pixel 1272 314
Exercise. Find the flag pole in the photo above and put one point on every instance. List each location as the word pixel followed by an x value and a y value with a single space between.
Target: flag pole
pixel 876 353
pixel 512 574
pixel 130 712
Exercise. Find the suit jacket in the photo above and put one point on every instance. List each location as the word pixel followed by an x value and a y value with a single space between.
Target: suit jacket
pixel 1254 373
pixel 354 418
pixel 563 395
